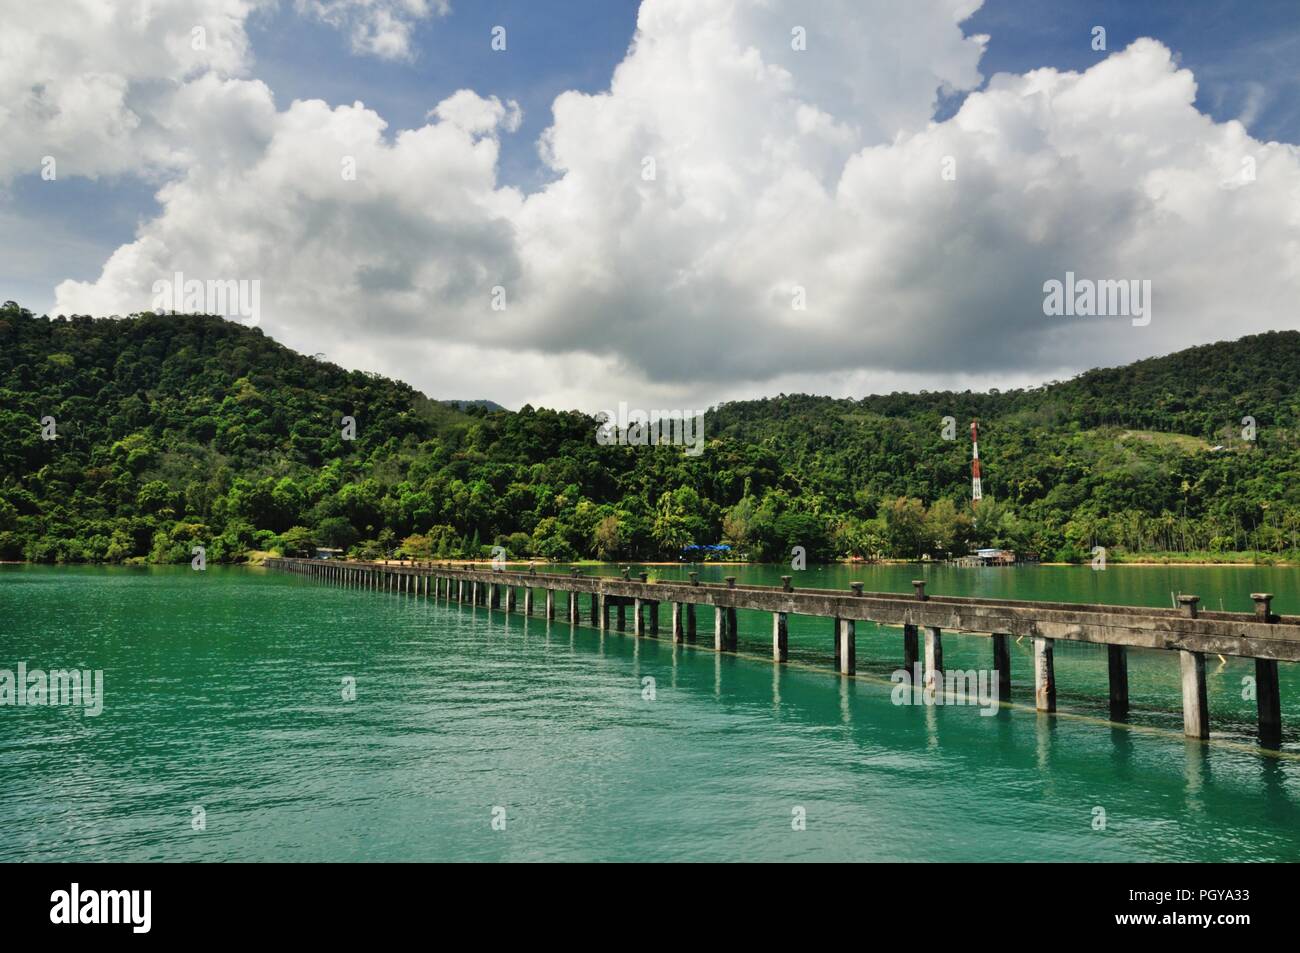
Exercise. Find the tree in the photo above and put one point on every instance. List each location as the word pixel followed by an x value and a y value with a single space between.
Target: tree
pixel 607 538
pixel 905 527
pixel 298 541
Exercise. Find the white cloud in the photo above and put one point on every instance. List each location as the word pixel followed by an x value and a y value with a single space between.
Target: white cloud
pixel 81 80
pixel 378 27
pixel 774 169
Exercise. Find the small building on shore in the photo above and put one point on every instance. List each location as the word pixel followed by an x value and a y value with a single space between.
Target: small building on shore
pixel 988 557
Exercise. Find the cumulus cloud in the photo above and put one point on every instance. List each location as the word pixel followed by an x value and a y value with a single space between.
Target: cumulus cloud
pixel 82 81
pixel 724 177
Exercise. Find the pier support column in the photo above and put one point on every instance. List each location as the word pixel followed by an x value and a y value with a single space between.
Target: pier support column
pixel 1044 675
pixel 835 637
pixel 848 647
pixel 460 590
pixel 573 608
pixel 690 622
pixel 1267 700
pixel 473 594
pixel 595 609
pixel 677 623
pixel 1196 710
pixel 719 636
pixel 1269 703
pixel 911 651
pixel 528 600
pixel 550 604
pixel 654 619
pixel 780 637
pixel 636 617
pixel 934 658
pixel 621 617
pixel 494 596
pixel 1002 663
pixel 1117 664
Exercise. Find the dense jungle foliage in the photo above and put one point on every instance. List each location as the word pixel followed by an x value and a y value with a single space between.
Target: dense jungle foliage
pixel 172 431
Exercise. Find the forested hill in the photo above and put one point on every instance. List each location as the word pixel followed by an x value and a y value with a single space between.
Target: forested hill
pixel 172 431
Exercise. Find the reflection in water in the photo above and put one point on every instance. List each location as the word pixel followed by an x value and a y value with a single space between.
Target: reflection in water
pixel 1196 766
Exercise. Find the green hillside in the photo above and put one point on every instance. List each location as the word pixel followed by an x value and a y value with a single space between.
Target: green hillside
pixel 179 430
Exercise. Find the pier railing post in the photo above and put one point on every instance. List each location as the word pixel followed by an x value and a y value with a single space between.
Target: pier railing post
pixel 1267 700
pixel 1196 712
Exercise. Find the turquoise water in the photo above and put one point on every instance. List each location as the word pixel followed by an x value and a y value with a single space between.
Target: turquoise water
pixel 223 691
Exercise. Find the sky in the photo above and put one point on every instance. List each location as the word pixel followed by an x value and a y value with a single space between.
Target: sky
pixel 666 203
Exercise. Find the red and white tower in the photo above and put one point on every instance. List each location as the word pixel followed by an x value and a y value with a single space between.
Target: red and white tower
pixel 976 491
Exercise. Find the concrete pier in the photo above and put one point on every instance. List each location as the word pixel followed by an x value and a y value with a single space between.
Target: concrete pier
pixel 1262 636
